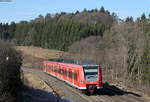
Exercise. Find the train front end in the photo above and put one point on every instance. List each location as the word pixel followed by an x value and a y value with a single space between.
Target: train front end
pixel 92 78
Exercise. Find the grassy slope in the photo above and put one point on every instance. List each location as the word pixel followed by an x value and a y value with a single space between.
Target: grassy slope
pixel 33 56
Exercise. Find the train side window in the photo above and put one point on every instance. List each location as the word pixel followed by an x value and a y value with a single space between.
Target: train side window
pixel 46 66
pixel 50 67
pixel 59 71
pixel 55 69
pixel 65 72
pixel 70 74
pixel 75 76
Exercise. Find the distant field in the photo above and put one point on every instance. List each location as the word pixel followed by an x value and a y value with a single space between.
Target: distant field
pixel 40 52
pixel 33 56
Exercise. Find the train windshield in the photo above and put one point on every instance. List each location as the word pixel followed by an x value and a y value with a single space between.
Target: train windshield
pixel 91 73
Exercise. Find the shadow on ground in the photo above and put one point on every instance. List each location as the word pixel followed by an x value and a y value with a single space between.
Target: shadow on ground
pixel 29 94
pixel 112 90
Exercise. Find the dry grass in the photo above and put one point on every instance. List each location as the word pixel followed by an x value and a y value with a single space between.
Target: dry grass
pixel 33 56
pixel 36 90
pixel 35 82
pixel 40 52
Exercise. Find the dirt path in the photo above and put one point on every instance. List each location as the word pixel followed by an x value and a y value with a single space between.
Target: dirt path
pixel 107 94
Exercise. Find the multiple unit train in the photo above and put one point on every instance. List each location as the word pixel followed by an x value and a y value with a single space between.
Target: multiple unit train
pixel 86 77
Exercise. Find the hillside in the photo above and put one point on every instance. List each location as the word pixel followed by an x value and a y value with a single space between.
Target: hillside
pixel 33 56
pixel 58 31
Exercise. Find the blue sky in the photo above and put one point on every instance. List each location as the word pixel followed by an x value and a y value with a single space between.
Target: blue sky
pixel 18 10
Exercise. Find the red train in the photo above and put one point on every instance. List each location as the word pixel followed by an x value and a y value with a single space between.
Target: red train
pixel 84 76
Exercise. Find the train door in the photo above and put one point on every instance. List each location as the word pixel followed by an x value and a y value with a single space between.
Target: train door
pixel 55 70
pixel 61 72
pixel 48 68
pixel 67 74
pixel 52 69
pixel 73 76
pixel 100 75
pixel 58 72
pixel 78 77
pixel 70 75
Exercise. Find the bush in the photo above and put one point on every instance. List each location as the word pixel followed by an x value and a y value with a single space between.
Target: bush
pixel 10 66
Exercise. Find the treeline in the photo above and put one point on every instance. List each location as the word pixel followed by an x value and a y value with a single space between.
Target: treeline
pixel 7 31
pixel 59 31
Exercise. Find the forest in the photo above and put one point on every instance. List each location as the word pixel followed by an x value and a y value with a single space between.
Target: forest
pixel 58 31
pixel 122 47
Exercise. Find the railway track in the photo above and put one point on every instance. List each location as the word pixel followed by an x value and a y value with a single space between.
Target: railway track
pixel 121 95
pixel 107 94
pixel 71 89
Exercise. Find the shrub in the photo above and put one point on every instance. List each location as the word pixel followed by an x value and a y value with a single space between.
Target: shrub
pixel 10 66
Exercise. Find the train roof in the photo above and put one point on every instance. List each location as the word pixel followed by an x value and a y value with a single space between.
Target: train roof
pixel 73 62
